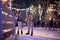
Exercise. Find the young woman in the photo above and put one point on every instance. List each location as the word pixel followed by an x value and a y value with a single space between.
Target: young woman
pixel 20 21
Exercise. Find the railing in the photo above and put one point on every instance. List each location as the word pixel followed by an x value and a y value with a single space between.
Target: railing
pixel 7 22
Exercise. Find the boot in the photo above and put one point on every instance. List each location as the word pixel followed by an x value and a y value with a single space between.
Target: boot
pixel 31 33
pixel 21 32
pixel 18 32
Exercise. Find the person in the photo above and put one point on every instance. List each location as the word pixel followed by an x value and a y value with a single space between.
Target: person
pixel 29 22
pixel 35 22
pixel 20 19
pixel 51 23
pixel 55 25
pixel 42 24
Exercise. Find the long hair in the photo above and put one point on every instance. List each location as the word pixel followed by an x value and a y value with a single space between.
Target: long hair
pixel 20 13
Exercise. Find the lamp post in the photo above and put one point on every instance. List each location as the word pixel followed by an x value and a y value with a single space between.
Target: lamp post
pixel 10 4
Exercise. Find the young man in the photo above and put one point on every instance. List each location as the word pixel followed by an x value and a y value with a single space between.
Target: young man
pixel 29 22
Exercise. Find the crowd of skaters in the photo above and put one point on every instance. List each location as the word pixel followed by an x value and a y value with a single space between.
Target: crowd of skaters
pixel 30 22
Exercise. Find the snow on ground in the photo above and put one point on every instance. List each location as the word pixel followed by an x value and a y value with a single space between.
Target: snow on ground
pixel 22 37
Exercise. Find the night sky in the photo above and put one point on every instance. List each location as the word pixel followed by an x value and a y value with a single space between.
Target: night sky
pixel 26 3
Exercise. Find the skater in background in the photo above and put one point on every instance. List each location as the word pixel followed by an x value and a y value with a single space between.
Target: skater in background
pixel 55 25
pixel 51 24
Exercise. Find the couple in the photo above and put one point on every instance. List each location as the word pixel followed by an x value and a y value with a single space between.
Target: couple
pixel 29 18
